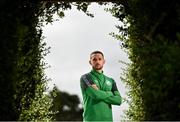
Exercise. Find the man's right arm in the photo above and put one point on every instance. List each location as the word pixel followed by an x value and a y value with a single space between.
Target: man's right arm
pixel 88 86
pixel 116 99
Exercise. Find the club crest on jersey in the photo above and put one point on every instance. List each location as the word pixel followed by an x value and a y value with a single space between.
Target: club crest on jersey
pixel 108 83
pixel 96 81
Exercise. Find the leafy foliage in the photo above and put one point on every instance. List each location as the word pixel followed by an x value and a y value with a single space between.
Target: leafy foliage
pixel 65 106
pixel 151 37
pixel 48 9
pixel 22 76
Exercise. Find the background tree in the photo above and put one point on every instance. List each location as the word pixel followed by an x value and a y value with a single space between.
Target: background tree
pixel 151 37
pixel 65 106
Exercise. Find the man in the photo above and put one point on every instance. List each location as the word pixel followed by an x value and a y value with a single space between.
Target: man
pixel 99 91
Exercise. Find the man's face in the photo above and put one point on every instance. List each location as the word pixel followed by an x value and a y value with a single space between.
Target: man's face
pixel 97 61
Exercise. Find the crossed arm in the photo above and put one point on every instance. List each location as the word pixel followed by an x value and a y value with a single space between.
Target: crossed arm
pixel 115 99
pixel 110 97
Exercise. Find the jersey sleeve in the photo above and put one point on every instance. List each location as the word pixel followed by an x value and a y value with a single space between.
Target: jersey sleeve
pixel 86 87
pixel 116 98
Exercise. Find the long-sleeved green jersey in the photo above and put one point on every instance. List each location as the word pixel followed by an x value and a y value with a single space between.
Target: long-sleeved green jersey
pixel 97 103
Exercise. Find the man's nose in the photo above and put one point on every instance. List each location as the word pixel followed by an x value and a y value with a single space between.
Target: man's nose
pixel 97 62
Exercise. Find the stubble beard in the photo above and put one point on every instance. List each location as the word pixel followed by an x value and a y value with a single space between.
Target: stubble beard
pixel 98 68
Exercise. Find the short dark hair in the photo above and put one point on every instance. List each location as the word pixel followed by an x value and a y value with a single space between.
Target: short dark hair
pixel 97 52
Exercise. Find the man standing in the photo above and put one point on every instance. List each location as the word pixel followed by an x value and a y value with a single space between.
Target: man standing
pixel 99 91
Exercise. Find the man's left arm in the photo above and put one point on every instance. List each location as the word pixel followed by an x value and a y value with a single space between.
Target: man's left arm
pixel 116 99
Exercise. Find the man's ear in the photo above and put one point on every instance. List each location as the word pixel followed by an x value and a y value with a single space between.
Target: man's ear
pixel 89 62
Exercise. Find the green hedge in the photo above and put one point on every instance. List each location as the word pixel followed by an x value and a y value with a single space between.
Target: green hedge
pixel 151 37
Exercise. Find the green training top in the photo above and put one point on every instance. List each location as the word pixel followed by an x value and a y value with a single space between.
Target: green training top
pixel 97 103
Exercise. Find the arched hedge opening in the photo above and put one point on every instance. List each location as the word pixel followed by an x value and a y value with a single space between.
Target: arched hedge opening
pixel 150 35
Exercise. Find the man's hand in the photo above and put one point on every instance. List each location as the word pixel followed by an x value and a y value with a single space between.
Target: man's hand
pixel 95 87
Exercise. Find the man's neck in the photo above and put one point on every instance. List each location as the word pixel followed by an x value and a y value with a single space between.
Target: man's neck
pixel 100 71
